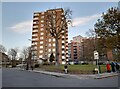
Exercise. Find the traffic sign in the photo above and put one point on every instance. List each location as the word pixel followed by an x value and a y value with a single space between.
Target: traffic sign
pixel 96 55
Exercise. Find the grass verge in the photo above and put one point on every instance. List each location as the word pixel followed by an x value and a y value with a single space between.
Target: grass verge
pixel 72 69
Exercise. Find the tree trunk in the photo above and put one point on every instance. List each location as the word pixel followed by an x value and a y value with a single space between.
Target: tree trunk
pixel 56 52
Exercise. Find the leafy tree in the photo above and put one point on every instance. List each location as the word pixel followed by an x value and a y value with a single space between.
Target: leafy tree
pixel 57 25
pixel 52 57
pixel 108 29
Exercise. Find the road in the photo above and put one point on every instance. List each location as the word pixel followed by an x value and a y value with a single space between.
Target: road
pixel 19 78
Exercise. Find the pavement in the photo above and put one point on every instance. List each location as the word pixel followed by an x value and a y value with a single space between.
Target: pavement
pixel 78 76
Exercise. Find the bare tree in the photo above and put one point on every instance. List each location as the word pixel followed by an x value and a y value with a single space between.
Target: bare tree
pixel 91 33
pixel 2 49
pixel 13 53
pixel 25 52
pixel 27 56
pixel 57 25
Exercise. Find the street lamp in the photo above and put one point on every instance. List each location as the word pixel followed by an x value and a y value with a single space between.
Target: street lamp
pixel 32 53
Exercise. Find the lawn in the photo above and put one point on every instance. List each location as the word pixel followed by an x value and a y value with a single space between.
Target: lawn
pixel 72 69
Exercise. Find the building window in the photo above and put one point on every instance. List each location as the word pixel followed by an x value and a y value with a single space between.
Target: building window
pixel 41 42
pixel 35 35
pixel 36 14
pixel 41 46
pixel 63 46
pixel 42 16
pixel 63 57
pixel 49 40
pixel 42 21
pixel 54 40
pixel 35 30
pixel 49 50
pixel 49 45
pixel 63 36
pixel 35 22
pixel 35 18
pixel 42 25
pixel 41 38
pixel 35 26
pixel 34 39
pixel 49 55
pixel 66 51
pixel 63 31
pixel 63 52
pixel 42 29
pixel 41 33
pixel 54 44
pixel 53 50
pixel 54 16
pixel 40 56
pixel 41 51
pixel 63 41
pixel 67 48
pixel 34 43
pixel 42 12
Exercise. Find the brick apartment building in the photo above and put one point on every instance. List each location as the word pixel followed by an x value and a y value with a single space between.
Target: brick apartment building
pixel 4 59
pixel 75 48
pixel 43 44
pixel 82 49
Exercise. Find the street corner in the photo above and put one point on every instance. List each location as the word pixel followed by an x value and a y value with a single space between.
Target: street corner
pixel 106 75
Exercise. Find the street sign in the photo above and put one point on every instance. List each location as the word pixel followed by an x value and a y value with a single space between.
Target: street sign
pixel 96 55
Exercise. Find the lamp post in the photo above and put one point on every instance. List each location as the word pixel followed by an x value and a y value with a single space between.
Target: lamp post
pixel 32 53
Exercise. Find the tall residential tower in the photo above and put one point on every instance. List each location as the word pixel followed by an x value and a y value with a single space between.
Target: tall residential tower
pixel 43 44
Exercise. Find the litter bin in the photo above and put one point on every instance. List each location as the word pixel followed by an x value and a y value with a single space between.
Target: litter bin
pixel 99 69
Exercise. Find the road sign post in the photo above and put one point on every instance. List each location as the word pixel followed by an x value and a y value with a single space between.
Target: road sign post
pixel 96 57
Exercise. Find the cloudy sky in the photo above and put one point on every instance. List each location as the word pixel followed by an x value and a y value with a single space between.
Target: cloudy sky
pixel 17 19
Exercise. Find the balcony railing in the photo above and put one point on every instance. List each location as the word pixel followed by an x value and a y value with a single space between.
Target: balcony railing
pixel 35 26
pixel 36 14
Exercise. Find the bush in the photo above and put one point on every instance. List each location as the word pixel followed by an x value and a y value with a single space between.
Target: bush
pixel 84 63
pixel 52 58
pixel 36 65
pixel 100 63
pixel 46 63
